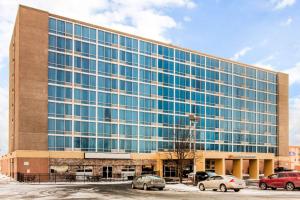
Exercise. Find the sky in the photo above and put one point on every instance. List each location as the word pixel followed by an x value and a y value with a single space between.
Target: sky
pixel 264 33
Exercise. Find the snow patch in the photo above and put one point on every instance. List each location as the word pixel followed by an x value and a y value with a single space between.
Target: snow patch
pixel 181 188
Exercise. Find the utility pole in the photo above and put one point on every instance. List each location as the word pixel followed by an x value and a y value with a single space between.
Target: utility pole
pixel 193 121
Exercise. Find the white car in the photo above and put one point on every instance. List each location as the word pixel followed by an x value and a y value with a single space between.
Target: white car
pixel 222 183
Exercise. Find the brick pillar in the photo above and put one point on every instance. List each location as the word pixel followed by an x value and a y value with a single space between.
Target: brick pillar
pixel 237 168
pixel 268 167
pixel 200 164
pixel 220 166
pixel 159 167
pixel 254 168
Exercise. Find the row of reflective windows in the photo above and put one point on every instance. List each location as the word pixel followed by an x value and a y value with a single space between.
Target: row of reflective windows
pixel 111 145
pixel 111 115
pixel 131 73
pixel 89 65
pixel 84 96
pixel 129 87
pixel 89 34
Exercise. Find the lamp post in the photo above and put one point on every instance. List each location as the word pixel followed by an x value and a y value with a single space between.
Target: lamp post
pixel 194 119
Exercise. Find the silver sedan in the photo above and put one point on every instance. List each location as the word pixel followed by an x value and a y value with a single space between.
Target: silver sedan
pixel 222 183
pixel 148 181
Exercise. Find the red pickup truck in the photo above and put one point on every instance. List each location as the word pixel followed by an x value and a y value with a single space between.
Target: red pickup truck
pixel 287 180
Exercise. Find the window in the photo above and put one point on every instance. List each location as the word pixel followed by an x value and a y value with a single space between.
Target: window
pixel 212 63
pixel 85 33
pixel 197 60
pixel 129 58
pixel 128 43
pixel 148 48
pixel 107 38
pixel 182 56
pixel 166 52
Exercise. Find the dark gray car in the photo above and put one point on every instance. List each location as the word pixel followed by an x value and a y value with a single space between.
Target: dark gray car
pixel 148 181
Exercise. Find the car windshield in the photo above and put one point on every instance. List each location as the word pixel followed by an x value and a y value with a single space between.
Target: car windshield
pixel 154 177
pixel 211 173
pixel 229 176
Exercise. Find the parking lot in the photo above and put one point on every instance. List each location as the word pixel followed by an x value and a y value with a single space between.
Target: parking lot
pixel 117 191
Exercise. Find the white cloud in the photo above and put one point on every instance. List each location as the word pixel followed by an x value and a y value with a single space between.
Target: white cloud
pixel 294 120
pixel 294 74
pixel 187 19
pixel 142 17
pixel 241 53
pixel 264 63
pixel 148 18
pixel 287 22
pixel 281 4
pixel 4 120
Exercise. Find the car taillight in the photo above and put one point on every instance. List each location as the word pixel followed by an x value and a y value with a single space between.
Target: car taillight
pixel 231 181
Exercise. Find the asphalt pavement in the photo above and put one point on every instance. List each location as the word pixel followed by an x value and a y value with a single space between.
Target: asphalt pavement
pixel 124 192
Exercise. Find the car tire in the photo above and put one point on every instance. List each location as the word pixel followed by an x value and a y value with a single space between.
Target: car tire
pixel 236 190
pixel 201 187
pixel 145 187
pixel 132 186
pixel 160 188
pixel 263 186
pixel 223 188
pixel 289 186
pixel 214 189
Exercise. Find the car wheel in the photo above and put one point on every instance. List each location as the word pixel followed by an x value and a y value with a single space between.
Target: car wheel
pixel 145 187
pixel 201 187
pixel 160 188
pixel 223 188
pixel 236 190
pixel 289 186
pixel 132 186
pixel 263 186
pixel 215 190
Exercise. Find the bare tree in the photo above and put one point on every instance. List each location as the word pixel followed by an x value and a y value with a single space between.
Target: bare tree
pixel 183 149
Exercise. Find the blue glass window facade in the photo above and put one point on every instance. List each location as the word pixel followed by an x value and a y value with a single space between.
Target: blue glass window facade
pixel 108 92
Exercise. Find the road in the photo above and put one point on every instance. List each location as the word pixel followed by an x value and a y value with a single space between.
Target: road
pixel 124 192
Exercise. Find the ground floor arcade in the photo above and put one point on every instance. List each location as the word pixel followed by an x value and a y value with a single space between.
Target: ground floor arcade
pixel 129 164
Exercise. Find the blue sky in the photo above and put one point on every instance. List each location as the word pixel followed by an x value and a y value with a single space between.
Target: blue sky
pixel 259 32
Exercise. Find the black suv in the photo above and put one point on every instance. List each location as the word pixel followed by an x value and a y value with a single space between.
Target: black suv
pixel 282 169
pixel 202 175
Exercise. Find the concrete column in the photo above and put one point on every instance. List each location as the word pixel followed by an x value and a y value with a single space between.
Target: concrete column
pixel 200 164
pixel 159 167
pixel 254 168
pixel 220 166
pixel 268 167
pixel 237 168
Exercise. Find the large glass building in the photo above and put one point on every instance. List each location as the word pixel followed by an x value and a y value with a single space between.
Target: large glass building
pixel 81 88
pixel 110 92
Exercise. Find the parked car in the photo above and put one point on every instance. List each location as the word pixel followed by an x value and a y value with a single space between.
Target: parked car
pixel 281 169
pixel 287 180
pixel 201 175
pixel 222 183
pixel 148 181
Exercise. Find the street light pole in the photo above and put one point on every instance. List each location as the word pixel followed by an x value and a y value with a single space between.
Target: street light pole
pixel 194 119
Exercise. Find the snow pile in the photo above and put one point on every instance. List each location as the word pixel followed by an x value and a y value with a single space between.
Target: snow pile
pixel 181 188
pixel 4 179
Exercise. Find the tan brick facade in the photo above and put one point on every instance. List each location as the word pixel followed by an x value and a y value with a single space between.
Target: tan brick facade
pixel 28 90
pixel 283 114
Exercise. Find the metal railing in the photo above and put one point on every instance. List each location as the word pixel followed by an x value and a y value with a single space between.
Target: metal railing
pixel 58 178
pixel 72 177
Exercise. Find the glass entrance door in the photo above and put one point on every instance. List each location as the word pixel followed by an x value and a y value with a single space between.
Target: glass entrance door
pixel 107 172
